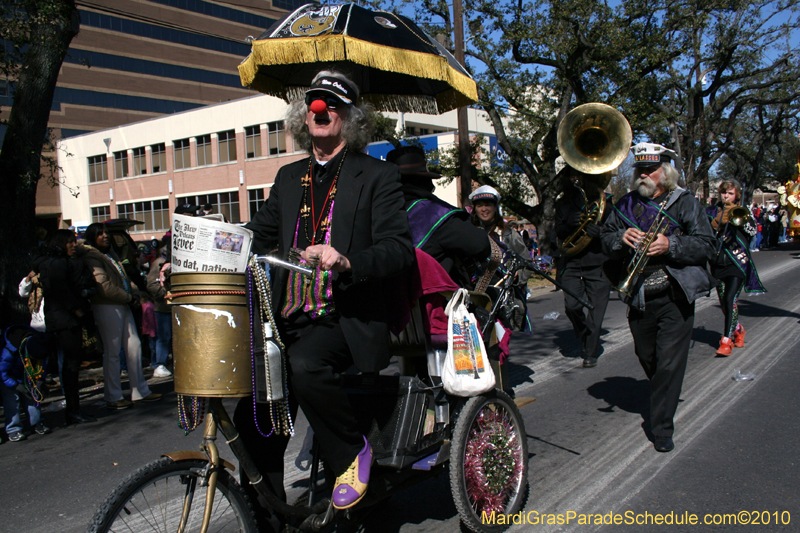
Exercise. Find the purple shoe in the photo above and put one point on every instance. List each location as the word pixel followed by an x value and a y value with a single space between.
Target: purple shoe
pixel 352 485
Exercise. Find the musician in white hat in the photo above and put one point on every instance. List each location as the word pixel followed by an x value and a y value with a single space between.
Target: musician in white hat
pixel 674 275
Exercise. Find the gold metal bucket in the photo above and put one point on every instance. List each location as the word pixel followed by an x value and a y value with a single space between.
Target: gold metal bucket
pixel 211 334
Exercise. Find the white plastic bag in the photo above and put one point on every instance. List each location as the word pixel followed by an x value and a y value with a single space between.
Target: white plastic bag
pixel 466 367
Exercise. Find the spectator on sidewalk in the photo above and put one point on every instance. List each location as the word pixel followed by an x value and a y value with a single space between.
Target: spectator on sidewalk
pixel 149 329
pixel 163 313
pixel 784 223
pixel 18 343
pixel 774 222
pixel 760 227
pixel 66 286
pixel 112 310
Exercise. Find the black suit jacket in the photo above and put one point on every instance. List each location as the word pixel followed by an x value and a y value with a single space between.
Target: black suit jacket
pixel 369 226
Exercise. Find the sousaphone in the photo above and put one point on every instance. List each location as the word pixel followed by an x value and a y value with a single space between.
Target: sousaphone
pixel 594 139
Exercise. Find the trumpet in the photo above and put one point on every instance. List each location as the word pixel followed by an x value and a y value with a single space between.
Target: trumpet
pixel 640 257
pixel 739 216
pixel 594 139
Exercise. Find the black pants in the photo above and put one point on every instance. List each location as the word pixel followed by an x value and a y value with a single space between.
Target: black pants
pixel 728 290
pixel 69 340
pixel 661 336
pixel 318 355
pixel 591 284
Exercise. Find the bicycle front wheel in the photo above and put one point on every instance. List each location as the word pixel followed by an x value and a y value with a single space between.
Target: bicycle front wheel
pixel 153 499
pixel 489 462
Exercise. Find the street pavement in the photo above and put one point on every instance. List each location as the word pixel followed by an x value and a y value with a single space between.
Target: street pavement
pixel 736 441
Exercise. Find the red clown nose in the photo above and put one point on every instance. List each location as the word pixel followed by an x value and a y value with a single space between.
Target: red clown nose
pixel 318 107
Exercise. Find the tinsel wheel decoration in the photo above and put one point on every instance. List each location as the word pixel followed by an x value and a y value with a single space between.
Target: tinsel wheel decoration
pixel 492 460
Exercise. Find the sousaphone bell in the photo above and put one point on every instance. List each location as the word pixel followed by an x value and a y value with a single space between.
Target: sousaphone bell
pixel 594 139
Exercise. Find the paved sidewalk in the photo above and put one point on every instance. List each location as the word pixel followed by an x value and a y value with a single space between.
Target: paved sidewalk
pixel 91 383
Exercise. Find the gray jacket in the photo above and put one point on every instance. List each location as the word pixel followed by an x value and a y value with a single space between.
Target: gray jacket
pixel 690 249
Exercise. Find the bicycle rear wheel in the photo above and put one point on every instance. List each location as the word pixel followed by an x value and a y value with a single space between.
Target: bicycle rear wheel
pixel 152 499
pixel 489 461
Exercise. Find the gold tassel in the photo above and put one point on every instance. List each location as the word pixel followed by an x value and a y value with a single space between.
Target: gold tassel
pixel 333 48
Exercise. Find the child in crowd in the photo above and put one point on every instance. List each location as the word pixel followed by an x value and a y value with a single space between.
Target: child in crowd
pixel 23 350
pixel 149 328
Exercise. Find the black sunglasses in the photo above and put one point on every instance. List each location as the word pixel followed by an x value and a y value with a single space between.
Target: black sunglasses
pixel 330 101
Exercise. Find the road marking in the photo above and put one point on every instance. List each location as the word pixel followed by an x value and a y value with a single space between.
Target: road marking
pixel 609 474
pixel 619 451
pixel 552 364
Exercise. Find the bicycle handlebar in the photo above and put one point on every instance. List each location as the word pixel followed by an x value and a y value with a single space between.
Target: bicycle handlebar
pixel 284 264
pixel 529 264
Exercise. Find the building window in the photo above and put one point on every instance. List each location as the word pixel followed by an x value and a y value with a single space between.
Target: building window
pixel 277 138
pixel 203 150
pixel 98 168
pixel 423 131
pixel 154 214
pixel 121 164
pixel 182 154
pixel 139 161
pixel 227 146
pixel 226 203
pixel 256 197
pixel 159 157
pixel 101 214
pixel 252 141
pixel 411 131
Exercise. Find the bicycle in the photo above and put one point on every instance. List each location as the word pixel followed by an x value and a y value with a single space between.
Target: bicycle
pixel 415 429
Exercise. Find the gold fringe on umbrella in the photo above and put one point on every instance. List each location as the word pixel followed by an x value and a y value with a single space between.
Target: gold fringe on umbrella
pixel 333 48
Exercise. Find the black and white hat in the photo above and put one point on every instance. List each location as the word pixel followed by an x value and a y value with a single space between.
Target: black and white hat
pixel 649 154
pixel 335 86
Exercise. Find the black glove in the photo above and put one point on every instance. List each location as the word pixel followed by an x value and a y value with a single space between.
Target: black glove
pixel 574 219
pixel 593 230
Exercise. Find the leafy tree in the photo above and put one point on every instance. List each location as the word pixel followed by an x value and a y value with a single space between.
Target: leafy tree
pixel 537 60
pixel 770 154
pixel 37 34
pixel 739 67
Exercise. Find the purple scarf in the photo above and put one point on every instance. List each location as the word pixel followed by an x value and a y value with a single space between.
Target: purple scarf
pixel 639 212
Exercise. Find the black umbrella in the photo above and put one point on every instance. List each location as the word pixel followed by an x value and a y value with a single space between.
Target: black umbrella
pixel 396 65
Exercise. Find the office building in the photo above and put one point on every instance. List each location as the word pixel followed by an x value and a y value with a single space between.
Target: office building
pixel 226 155
pixel 138 59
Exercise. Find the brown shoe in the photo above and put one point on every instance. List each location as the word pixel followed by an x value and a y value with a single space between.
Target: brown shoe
pixel 152 397
pixel 122 404
pixel 725 346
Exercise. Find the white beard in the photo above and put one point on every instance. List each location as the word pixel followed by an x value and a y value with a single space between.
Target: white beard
pixel 645 187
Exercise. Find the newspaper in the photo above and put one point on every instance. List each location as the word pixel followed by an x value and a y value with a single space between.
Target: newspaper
pixel 200 244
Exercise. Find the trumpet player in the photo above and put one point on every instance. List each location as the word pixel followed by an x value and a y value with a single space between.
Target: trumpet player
pixel 583 271
pixel 667 277
pixel 732 266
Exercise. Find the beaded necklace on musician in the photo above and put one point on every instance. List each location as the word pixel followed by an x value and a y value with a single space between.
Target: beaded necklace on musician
pixel 314 295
